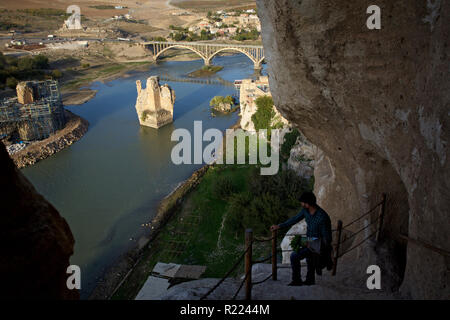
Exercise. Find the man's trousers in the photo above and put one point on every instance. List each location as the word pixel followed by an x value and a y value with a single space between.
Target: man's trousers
pixel 296 257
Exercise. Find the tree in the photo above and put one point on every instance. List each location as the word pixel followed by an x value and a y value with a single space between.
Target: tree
pixel 206 35
pixel 262 118
pixel 25 64
pixel 217 100
pixel 40 62
pixel 290 139
pixel 12 82
pixel 56 74
pixel 3 62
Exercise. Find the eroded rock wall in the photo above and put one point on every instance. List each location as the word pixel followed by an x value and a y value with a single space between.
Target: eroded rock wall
pixel 376 102
pixel 35 241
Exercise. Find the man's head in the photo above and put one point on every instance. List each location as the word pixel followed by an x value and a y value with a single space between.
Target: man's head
pixel 308 199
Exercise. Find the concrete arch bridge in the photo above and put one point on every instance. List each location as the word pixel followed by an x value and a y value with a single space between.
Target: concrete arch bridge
pixel 207 51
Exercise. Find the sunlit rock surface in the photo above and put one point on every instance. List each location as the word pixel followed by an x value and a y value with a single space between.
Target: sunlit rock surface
pixel 154 104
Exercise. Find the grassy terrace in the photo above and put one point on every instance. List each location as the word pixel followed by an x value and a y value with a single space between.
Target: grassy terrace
pixel 203 230
pixel 197 224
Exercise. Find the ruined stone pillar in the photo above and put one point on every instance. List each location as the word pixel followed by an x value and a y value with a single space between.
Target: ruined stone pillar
pixel 154 104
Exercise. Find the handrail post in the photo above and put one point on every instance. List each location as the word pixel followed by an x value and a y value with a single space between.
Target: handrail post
pixel 338 244
pixel 381 217
pixel 274 254
pixel 248 263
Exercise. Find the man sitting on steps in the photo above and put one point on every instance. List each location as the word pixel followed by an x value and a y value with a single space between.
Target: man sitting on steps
pixel 319 239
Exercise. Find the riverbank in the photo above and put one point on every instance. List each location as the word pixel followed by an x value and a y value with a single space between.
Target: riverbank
pixel 71 98
pixel 118 273
pixel 74 130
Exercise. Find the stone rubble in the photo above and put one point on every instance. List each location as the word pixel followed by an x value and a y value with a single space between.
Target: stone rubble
pixel 14 148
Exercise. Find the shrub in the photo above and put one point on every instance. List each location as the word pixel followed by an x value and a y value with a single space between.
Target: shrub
pixel 145 114
pixel 12 82
pixel 44 12
pixel 289 140
pixel 242 35
pixel 160 39
pixel 217 100
pixel 56 74
pixel 238 205
pixel 223 188
pixel 286 185
pixel 262 118
pixel 40 62
pixel 269 201
pixel 265 210
pixel 25 64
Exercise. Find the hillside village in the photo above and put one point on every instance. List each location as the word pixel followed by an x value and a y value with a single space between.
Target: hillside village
pixel 224 24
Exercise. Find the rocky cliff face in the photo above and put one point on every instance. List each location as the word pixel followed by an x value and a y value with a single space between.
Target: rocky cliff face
pixel 376 102
pixel 154 104
pixel 35 241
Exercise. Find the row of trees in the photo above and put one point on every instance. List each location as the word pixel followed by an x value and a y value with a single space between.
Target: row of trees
pixel 186 35
pixel 242 35
pixel 13 70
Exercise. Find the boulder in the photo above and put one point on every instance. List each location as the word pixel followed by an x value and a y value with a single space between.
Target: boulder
pixel 35 241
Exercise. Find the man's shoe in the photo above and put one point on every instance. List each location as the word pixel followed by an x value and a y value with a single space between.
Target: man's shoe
pixel 296 283
pixel 309 282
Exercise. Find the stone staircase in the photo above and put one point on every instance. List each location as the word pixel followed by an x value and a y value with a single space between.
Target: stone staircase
pixel 327 287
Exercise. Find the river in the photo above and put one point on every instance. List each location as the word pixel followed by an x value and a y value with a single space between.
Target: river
pixel 108 184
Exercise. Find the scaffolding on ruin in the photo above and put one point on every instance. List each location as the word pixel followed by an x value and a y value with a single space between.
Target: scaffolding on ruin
pixel 43 116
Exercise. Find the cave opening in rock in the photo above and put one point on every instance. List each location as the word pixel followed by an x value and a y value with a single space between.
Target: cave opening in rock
pixel 391 248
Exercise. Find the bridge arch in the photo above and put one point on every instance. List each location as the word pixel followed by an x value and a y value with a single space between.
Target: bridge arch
pixel 232 49
pixel 207 53
pixel 183 47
